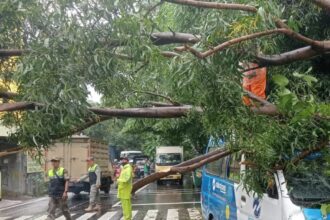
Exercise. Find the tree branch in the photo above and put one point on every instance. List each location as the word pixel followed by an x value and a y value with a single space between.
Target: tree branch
pixel 11 52
pixel 159 95
pixel 308 152
pixel 151 112
pixel 214 5
pixel 257 98
pixel 324 45
pixel 232 42
pixel 153 8
pixel 159 104
pixel 8 95
pixel 321 45
pixel 17 106
pixel 163 38
pixel 183 167
pixel 303 53
pixel 324 4
pixel 169 54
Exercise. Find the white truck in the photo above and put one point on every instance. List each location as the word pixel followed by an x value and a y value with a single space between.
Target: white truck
pixel 131 154
pixel 167 156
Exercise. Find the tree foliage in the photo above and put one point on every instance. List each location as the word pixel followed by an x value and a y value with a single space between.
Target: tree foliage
pixel 70 44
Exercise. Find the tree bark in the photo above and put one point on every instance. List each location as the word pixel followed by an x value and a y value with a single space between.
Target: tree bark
pixel 184 167
pixel 304 53
pixel 163 38
pixel 11 52
pixel 17 106
pixel 169 54
pixel 151 112
pixel 214 5
pixel 324 4
pixel 8 95
pixel 232 42
pixel 321 45
pixel 308 152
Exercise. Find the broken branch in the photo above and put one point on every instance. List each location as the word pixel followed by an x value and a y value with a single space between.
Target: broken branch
pixel 214 5
pixel 163 38
pixel 303 53
pixel 324 4
pixel 184 167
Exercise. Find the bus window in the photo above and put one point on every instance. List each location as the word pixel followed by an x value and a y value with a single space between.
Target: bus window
pixel 218 167
pixel 234 168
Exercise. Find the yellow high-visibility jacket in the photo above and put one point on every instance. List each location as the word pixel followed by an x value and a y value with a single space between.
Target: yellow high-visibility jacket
pixel 125 182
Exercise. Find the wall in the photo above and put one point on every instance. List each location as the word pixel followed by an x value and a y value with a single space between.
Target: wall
pixel 13 168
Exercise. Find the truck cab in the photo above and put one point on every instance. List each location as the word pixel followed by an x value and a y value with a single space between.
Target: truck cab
pixel 166 157
pixel 223 195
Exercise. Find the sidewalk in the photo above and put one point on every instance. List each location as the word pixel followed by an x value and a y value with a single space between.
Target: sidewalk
pixel 9 203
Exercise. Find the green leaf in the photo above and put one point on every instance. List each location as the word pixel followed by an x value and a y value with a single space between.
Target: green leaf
pixel 280 80
pixel 309 79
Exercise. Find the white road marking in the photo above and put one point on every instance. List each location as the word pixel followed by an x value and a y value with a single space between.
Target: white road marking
pixel 165 203
pixel 133 215
pixel 194 214
pixel 107 216
pixel 151 215
pixel 63 218
pixel 23 217
pixel 172 214
pixel 44 217
pixel 3 218
pixel 86 216
pixel 139 190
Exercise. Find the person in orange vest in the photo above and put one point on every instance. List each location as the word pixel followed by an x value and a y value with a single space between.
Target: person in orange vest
pixel 58 190
pixel 254 80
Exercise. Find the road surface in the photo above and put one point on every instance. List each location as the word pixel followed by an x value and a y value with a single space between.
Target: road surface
pixel 164 202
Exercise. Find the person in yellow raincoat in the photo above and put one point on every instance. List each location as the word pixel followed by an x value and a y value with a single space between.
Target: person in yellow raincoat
pixel 125 188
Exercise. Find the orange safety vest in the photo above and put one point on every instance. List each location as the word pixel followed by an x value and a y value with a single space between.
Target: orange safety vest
pixel 255 82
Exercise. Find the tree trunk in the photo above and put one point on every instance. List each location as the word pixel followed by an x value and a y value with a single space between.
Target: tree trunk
pixel 184 167
pixel 163 38
pixel 151 112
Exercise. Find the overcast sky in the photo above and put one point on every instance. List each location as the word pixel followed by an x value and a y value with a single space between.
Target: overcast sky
pixel 93 95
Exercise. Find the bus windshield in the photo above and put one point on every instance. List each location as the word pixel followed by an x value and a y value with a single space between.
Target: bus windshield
pixel 168 159
pixel 310 187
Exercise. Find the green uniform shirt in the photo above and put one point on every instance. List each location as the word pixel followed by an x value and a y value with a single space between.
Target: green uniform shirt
pixel 125 182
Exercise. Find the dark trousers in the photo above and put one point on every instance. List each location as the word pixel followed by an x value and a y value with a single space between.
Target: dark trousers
pixel 55 203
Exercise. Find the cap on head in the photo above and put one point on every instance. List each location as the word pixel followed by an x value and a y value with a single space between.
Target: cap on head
pixel 55 159
pixel 123 158
pixel 90 159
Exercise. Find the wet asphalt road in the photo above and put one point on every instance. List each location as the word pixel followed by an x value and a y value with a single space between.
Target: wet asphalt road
pixel 167 201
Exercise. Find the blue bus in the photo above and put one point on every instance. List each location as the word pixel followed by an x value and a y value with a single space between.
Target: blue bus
pixel 224 198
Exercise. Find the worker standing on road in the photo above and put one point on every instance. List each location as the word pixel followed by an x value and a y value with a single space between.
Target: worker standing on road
pixel 94 175
pixel 125 188
pixel 57 190
pixel 146 168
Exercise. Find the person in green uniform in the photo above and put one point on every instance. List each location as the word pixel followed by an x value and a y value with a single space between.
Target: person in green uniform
pixel 125 188
pixel 94 176
pixel 58 190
